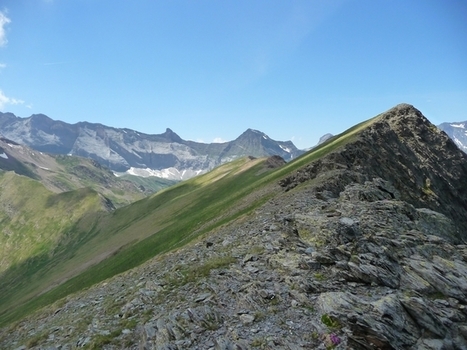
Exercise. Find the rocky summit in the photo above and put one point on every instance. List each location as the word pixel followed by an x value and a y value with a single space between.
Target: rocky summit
pixel 363 248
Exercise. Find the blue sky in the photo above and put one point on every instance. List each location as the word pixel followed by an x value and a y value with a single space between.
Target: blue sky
pixel 211 69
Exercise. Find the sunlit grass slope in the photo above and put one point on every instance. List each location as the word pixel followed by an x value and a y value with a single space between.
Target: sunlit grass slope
pixel 73 172
pixel 102 245
pixel 32 219
pixel 151 184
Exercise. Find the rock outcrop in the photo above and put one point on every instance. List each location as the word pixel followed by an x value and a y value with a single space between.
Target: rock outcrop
pixel 404 148
pixel 362 249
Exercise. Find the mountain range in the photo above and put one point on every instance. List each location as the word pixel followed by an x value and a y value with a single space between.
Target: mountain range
pixel 124 150
pixel 359 243
pixel 457 132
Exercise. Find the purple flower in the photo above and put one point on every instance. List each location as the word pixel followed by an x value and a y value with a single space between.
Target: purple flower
pixel 335 339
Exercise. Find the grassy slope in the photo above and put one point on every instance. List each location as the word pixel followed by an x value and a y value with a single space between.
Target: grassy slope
pixel 112 243
pixel 76 172
pixel 32 219
pixel 150 184
pixel 16 166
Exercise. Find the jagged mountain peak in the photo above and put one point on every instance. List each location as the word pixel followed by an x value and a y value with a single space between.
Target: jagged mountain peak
pixel 171 136
pixel 257 144
pixel 254 131
pixel 40 116
pixel 403 113
pixel 402 109
pixel 249 134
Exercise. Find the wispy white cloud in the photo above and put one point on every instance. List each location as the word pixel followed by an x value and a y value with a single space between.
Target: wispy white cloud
pixel 5 100
pixel 4 20
pixel 218 140
pixel 2 65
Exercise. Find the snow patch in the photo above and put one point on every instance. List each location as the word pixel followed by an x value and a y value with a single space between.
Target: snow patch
pixel 15 146
pixel 459 143
pixel 3 155
pixel 460 126
pixel 286 149
pixel 168 173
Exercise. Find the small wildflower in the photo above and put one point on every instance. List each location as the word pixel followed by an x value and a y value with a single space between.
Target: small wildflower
pixel 331 340
pixel 335 339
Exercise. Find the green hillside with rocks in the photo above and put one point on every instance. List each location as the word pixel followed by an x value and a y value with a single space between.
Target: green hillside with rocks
pixel 359 243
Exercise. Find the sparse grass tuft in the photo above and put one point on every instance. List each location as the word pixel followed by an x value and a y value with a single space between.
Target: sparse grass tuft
pixel 36 340
pixel 319 276
pixel 256 250
pixel 192 274
pixel 330 321
pixel 259 342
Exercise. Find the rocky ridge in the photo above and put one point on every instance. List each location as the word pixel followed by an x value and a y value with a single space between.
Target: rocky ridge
pixel 403 147
pixel 339 258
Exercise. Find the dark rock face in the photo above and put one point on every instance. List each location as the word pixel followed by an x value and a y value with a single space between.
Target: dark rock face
pixel 404 148
pixel 274 162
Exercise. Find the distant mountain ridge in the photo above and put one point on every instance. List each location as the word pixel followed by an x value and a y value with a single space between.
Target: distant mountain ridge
pixel 63 173
pixel 457 131
pixel 164 155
